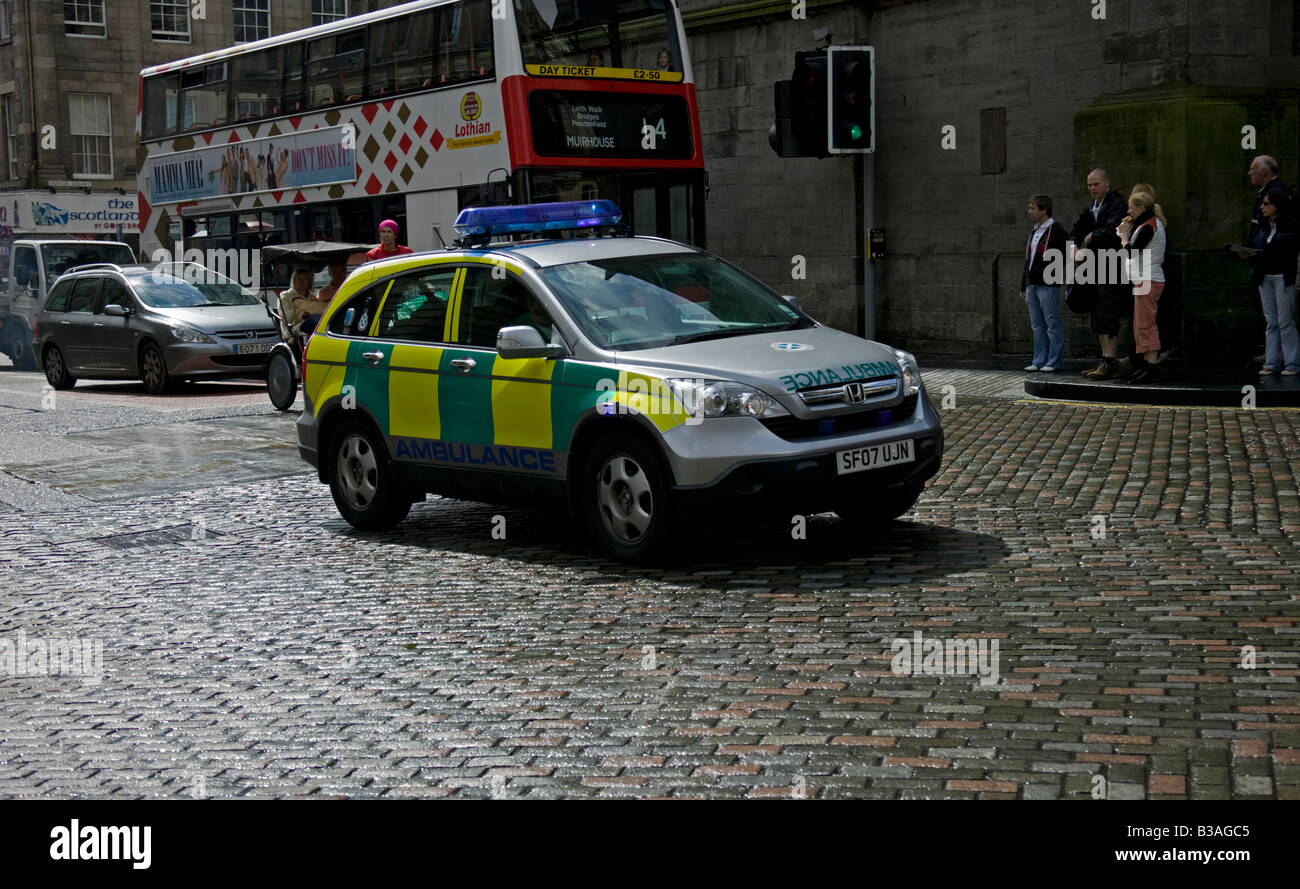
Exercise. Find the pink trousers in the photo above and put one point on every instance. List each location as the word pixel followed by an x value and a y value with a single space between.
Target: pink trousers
pixel 1146 336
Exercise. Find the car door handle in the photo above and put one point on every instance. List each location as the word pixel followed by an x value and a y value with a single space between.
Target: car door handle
pixel 465 365
pixel 373 357
pixel 64 323
pixel 98 324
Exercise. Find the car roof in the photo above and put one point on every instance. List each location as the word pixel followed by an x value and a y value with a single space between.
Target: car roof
pixel 543 254
pixel 559 252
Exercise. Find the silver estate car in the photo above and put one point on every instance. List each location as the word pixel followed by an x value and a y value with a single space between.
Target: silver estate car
pixel 152 323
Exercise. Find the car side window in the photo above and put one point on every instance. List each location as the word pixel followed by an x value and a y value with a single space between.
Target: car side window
pixel 59 297
pixel 354 317
pixel 489 303
pixel 112 293
pixel 416 307
pixel 83 295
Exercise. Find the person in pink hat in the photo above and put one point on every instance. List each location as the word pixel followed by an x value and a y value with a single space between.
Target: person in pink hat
pixel 388 245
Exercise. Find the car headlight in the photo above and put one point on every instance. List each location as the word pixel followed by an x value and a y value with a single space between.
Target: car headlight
pixel 911 372
pixel 189 335
pixel 723 398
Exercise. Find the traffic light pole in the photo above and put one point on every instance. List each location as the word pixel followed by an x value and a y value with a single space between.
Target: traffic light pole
pixel 868 267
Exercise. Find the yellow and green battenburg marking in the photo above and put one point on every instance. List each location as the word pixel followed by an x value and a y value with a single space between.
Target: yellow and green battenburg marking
pixel 523 402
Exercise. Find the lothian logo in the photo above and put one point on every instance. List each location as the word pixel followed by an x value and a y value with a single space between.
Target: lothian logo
pixel 793 347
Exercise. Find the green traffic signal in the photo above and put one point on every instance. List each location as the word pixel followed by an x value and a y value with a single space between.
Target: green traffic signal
pixel 855 132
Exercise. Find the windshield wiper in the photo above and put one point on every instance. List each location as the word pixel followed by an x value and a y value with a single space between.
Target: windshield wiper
pixel 707 335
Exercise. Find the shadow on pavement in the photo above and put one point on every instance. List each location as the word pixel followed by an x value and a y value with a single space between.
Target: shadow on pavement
pixel 904 552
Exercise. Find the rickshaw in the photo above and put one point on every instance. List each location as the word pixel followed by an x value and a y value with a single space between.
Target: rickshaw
pixel 285 362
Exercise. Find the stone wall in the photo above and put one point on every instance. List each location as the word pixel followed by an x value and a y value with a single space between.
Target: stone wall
pixel 1062 77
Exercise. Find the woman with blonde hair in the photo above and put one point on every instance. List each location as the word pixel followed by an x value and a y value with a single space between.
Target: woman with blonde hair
pixel 1151 190
pixel 1142 233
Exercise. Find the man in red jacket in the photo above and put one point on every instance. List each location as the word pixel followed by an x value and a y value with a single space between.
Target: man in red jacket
pixel 388 245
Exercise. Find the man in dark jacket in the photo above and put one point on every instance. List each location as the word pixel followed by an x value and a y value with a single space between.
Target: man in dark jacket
pixel 1095 230
pixel 1046 248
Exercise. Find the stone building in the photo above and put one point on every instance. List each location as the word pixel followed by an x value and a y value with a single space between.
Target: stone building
pixel 69 79
pixel 1178 93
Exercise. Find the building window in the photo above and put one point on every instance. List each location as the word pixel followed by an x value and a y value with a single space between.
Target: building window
pixel 323 11
pixel 11 138
pixel 252 19
pixel 6 20
pixel 92 135
pixel 84 18
pixel 170 19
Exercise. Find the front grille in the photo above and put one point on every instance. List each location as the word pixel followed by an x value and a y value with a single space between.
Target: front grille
pixel 795 429
pixel 262 333
pixel 852 392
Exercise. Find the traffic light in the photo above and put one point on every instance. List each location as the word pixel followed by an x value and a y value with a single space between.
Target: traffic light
pixel 800 129
pixel 850 75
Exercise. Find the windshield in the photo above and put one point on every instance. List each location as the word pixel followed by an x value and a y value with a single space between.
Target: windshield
pixel 61 257
pixel 190 287
pixel 646 301
pixel 639 34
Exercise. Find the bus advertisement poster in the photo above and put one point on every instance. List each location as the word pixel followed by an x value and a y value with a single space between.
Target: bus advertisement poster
pixel 276 163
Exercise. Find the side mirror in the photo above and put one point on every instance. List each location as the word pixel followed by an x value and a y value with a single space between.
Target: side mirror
pixel 792 300
pixel 117 311
pixel 23 275
pixel 522 341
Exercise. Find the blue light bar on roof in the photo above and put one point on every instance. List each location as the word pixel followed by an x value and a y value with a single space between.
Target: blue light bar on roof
pixel 537 217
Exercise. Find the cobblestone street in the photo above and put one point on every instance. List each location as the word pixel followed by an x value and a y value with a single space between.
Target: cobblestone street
pixel 1136 567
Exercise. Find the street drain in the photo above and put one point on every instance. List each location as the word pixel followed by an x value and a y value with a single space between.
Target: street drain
pixel 158 537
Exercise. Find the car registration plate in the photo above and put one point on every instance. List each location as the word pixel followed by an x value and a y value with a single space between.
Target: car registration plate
pixel 875 456
pixel 252 348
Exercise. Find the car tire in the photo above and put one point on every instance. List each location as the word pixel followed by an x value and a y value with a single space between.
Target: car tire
pixel 625 498
pixel 153 370
pixel 20 348
pixel 56 369
pixel 877 512
pixel 362 483
pixel 281 380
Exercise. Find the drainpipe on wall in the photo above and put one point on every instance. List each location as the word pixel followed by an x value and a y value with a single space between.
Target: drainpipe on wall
pixel 31 92
pixel 996 257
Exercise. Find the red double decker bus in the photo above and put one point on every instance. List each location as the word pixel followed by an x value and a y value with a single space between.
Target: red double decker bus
pixel 417 111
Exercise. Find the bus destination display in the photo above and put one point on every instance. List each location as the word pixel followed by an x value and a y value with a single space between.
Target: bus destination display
pixel 587 124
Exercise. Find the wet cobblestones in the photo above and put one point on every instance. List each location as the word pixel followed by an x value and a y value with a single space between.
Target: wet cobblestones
pixel 1137 567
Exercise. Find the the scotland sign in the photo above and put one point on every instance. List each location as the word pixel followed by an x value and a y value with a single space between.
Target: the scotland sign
pixel 25 212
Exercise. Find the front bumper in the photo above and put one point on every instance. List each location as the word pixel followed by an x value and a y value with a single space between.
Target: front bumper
pixel 207 359
pixel 741 463
pixel 807 484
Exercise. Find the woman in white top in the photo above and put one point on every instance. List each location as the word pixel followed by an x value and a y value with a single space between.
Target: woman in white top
pixel 1142 233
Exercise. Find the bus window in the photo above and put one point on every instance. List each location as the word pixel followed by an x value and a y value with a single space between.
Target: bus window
pixel 160 94
pixel 293 91
pixel 204 96
pixel 336 69
pixel 401 55
pixel 631 35
pixel 256 84
pixel 465 42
